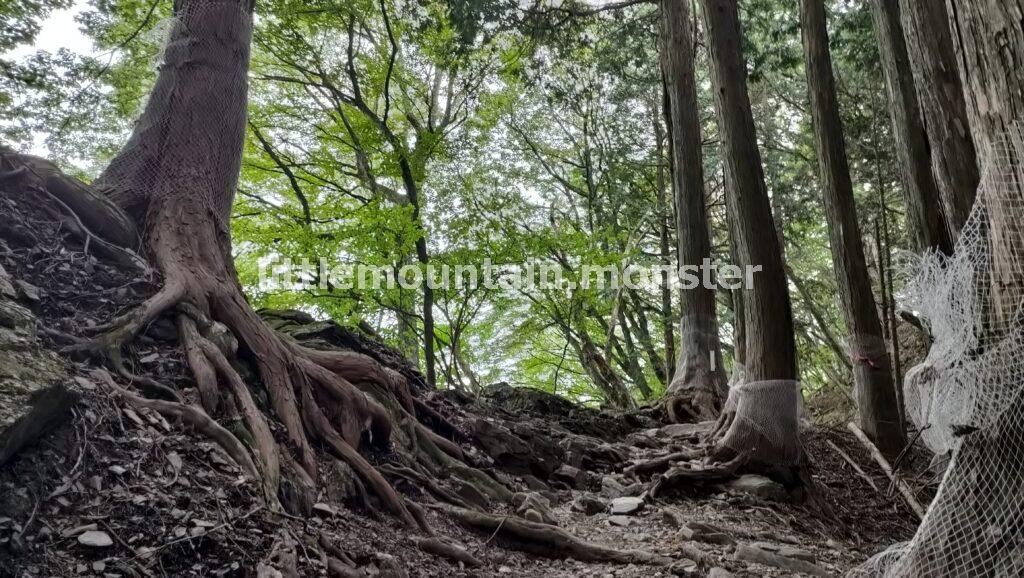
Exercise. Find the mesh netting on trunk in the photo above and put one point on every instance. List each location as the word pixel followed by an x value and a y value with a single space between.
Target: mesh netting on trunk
pixel 967 395
pixel 186 141
pixel 766 426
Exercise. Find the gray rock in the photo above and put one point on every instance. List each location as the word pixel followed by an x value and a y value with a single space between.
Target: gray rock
pixel 619 521
pixel 717 572
pixel 524 501
pixel 95 539
pixel 626 505
pixel 533 516
pixel 759 487
pixel 340 482
pixel 634 489
pixel 534 483
pixel 34 396
pixel 589 505
pixel 746 553
pixel 28 291
pixel 784 550
pixel 684 567
pixel 611 488
pixel 570 475
pixel 6 287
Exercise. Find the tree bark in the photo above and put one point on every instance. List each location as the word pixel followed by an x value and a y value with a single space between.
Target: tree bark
pixel 943 110
pixel 979 496
pixel 988 43
pixel 876 398
pixel 176 177
pixel 770 345
pixel 988 40
pixel 664 217
pixel 925 217
pixel 699 370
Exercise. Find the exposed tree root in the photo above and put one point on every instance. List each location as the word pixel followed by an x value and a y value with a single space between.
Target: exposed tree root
pixel 282 561
pixel 433 487
pixel 256 423
pixel 547 540
pixel 91 217
pixel 683 475
pixel 335 552
pixel 662 463
pixel 308 398
pixel 690 405
pixel 448 550
pixel 190 415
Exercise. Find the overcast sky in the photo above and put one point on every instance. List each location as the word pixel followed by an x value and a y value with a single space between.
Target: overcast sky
pixel 60 31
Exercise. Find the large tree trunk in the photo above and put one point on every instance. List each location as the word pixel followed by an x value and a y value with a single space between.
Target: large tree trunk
pixel 973 527
pixel 925 217
pixel 943 111
pixel 699 379
pixel 176 178
pixel 770 350
pixel 759 420
pixel 876 397
pixel 988 41
pixel 989 45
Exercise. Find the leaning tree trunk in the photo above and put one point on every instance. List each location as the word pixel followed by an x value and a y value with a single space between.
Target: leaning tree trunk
pixel 697 389
pixel 876 396
pixel 770 344
pixel 925 217
pixel 943 111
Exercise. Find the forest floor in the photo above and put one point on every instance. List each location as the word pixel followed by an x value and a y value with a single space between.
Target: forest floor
pixel 113 490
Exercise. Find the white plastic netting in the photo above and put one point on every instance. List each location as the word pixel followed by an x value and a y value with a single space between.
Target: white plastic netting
pixel 767 422
pixel 968 394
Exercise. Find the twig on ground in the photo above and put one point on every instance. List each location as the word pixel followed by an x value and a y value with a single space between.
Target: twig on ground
pixel 905 490
pixel 854 465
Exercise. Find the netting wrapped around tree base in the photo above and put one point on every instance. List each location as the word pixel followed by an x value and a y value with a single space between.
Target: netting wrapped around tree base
pixel 761 420
pixel 969 392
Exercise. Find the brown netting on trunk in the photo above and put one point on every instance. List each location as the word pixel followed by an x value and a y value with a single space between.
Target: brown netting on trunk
pixel 967 397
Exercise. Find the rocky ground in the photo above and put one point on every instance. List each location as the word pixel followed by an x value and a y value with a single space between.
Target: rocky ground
pixel 91 485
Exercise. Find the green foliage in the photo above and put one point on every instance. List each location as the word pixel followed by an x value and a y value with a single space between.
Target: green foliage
pixel 525 135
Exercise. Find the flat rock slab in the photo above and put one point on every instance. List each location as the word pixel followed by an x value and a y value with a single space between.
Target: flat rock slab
pixel 784 550
pixel 626 505
pixel 758 487
pixel 95 539
pixel 746 553
pixel 620 520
